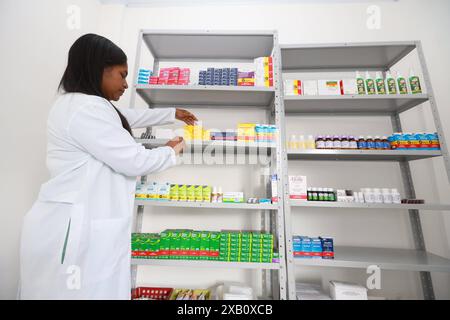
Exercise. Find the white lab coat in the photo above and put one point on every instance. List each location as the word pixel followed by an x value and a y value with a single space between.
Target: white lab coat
pixel 76 237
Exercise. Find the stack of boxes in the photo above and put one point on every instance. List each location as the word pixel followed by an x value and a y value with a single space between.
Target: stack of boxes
pixel 144 76
pixel 246 79
pixel 246 246
pixel 172 76
pixel 313 248
pixel 186 244
pixel 196 133
pixel 263 72
pixel 218 77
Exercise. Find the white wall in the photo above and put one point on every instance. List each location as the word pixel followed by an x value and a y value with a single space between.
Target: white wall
pixel 402 20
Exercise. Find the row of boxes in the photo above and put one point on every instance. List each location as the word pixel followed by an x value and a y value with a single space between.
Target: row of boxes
pixel 171 76
pixel 313 248
pixel 263 71
pixel 186 244
pixel 173 192
pixel 218 77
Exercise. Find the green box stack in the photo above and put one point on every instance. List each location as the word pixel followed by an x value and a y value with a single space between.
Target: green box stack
pixel 214 245
pixel 205 237
pixel 195 245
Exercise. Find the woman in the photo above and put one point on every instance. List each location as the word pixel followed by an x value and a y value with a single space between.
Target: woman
pixel 76 237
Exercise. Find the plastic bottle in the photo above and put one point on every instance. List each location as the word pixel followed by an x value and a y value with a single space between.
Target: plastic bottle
pixel 328 142
pixel 332 195
pixel 293 142
pixel 402 85
pixel 368 195
pixel 395 196
pixel 337 144
pixel 309 194
pixel 370 143
pixel 320 142
pixel 378 143
pixel 301 143
pixel 377 196
pixel 352 143
pixel 362 143
pixel 385 142
pixel 319 194
pixel 414 83
pixel 391 84
pixel 387 196
pixel 310 142
pixel 315 196
pixel 380 84
pixel 345 142
pixel 360 84
pixel 370 84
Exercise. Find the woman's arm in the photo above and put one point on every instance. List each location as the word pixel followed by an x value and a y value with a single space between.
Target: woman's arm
pixel 143 118
pixel 96 130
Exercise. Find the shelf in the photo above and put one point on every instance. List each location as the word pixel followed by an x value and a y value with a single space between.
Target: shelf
pixel 353 104
pixel 344 56
pixel 184 45
pixel 362 155
pixel 379 206
pixel 206 96
pixel 386 259
pixel 238 147
pixel 205 264
pixel 209 205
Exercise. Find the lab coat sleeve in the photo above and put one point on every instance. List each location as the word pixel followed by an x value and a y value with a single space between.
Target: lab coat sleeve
pixel 97 129
pixel 142 118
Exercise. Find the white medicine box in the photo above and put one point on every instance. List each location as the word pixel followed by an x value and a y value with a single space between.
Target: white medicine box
pixel 298 188
pixel 329 87
pixel 347 291
pixel 348 87
pixel 310 88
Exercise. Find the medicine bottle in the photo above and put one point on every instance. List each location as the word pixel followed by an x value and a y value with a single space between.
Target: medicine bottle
pixel 320 194
pixel 337 142
pixel 386 143
pixel 352 143
pixel 370 143
pixel 310 142
pixel 328 142
pixel 362 143
pixel 345 143
pixel 320 142
pixel 378 143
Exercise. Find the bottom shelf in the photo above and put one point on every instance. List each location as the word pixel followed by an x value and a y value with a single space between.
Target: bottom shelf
pixel 205 264
pixel 387 259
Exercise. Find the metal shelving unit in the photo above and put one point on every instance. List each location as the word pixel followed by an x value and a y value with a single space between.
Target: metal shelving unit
pixel 227 46
pixel 347 57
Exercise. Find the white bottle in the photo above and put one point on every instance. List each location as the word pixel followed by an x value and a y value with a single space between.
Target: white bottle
pixel 293 142
pixel 378 198
pixel 368 195
pixel 395 196
pixel 301 143
pixel 387 196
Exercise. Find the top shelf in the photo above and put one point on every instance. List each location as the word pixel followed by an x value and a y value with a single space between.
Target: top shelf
pixel 208 45
pixel 343 56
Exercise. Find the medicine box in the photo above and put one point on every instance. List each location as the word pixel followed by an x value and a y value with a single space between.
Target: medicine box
pixel 233 197
pixel 347 291
pixel 329 88
pixel 348 87
pixel 274 186
pixel 310 88
pixel 298 188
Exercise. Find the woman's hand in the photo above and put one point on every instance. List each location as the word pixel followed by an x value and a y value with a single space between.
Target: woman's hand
pixel 177 144
pixel 185 116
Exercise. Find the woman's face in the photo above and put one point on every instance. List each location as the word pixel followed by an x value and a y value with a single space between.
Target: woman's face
pixel 114 81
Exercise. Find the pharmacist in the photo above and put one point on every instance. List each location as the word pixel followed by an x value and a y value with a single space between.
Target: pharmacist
pixel 76 237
